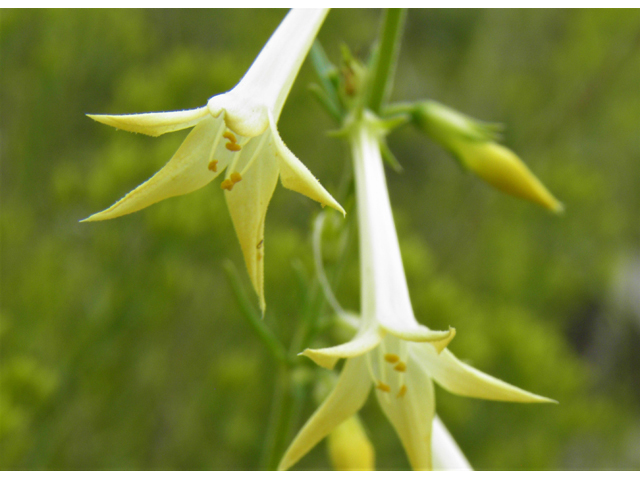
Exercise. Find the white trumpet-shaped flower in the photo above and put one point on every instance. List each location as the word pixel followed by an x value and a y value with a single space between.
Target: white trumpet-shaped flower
pixel 235 131
pixel 391 352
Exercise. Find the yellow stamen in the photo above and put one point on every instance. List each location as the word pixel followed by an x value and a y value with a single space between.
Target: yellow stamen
pixel 213 151
pixel 226 185
pixel 402 391
pixel 234 147
pixel 235 177
pixel 401 367
pixel 383 386
pixel 213 165
pixel 391 358
pixel 230 136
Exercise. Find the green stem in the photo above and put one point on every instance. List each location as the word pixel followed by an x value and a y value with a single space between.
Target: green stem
pixel 253 318
pixel 386 57
pixel 278 420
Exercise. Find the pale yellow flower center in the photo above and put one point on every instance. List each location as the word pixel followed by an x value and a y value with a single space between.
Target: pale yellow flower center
pixel 388 368
pixel 236 146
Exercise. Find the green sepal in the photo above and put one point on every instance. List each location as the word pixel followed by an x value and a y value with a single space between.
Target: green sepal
pixel 325 101
pixel 327 73
pixel 389 157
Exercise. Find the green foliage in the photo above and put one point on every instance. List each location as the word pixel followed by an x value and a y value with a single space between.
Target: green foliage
pixel 121 343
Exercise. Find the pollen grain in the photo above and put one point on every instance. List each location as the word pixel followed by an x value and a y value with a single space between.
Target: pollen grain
pixel 391 358
pixel 383 386
pixel 402 391
pixel 401 367
pixel 231 137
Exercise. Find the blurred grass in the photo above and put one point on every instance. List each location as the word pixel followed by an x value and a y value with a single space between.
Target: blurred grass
pixel 121 346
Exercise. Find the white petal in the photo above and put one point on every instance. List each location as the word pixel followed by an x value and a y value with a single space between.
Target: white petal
pixel 446 452
pixel 248 202
pixel 411 414
pixel 363 342
pixel 295 176
pixel 461 379
pixel 346 399
pixel 185 172
pixel 420 333
pixel 154 124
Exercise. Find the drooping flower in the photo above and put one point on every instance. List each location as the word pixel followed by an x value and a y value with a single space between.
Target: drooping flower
pixel 235 131
pixel 391 352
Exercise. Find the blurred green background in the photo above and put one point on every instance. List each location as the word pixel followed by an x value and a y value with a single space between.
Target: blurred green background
pixel 121 344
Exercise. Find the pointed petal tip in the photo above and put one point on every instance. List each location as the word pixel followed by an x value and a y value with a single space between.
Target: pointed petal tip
pixel 540 399
pixel 460 378
pixel 115 121
pixel 154 123
pixel 103 215
pixel 440 345
pixel 362 343
pixel 557 208
pixel 348 396
pixel 320 358
pixel 336 206
pixel 439 339
pixel 92 218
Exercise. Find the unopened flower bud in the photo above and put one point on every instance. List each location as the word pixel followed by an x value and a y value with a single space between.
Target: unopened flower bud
pixel 350 448
pixel 502 169
pixel 448 126
pixel 472 143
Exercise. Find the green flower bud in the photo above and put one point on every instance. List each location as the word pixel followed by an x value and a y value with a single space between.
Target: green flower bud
pixel 473 144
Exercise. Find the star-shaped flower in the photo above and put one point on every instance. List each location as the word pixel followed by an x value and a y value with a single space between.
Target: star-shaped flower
pixel 235 131
pixel 391 352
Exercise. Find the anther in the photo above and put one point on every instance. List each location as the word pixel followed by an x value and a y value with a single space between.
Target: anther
pixel 235 177
pixel 391 358
pixel 402 391
pixel 226 185
pixel 401 367
pixel 383 386
pixel 234 147
pixel 213 165
pixel 230 136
